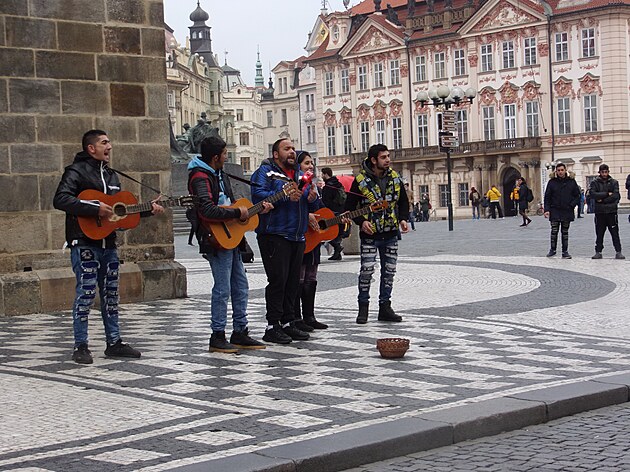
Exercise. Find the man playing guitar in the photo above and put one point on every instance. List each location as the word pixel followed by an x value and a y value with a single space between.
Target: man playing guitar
pixel 281 239
pixel 209 183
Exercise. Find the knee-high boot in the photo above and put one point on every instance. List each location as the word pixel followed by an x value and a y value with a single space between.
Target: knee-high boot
pixel 308 305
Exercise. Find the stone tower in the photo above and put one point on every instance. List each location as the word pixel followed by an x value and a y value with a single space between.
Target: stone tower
pixel 66 67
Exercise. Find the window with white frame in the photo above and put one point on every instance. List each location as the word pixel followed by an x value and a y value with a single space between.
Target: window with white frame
pixel 310 101
pixel 269 118
pixel 529 49
pixel 329 84
pixel 459 62
pixel 463 194
pixel 346 133
pixel 489 131
pixel 362 77
pixel 310 134
pixel 380 131
pixel 532 119
pixel 239 114
pixel 443 190
pixel 439 65
pixel 394 72
pixel 246 163
pixel 461 120
pixel 283 117
pixel 421 68
pixel 590 113
pixel 397 132
pixel 423 130
pixel 588 42
pixel 487 63
pixel 508 54
pixel 509 121
pixel 562 46
pixel 170 98
pixel 378 75
pixel 243 139
pixel 331 140
pixel 345 81
pixel 422 189
pixel 564 115
pixel 364 128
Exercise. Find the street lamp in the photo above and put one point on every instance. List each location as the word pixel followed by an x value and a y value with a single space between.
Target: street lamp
pixel 445 97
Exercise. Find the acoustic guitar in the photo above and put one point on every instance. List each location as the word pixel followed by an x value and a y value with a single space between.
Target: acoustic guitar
pixel 227 234
pixel 329 223
pixel 126 212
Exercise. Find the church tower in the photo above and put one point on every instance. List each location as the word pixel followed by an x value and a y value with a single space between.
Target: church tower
pixel 200 41
pixel 259 80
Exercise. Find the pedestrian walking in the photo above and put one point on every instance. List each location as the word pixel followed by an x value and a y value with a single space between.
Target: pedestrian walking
pixel 604 190
pixel 411 207
pixel 425 206
pixel 377 181
pixel 525 196
pixel 561 197
pixel 474 197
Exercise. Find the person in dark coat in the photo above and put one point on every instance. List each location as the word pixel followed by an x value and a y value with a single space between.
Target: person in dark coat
pixel 605 191
pixel 561 197
pixel 523 200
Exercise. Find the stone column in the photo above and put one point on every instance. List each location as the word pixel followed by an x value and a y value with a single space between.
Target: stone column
pixel 67 67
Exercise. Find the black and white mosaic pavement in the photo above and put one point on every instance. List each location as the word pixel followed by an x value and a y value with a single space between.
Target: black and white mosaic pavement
pixel 480 327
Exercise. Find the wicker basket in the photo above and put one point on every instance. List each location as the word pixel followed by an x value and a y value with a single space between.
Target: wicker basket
pixel 392 348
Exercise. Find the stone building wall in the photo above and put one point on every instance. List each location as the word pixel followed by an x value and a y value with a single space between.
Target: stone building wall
pixel 67 66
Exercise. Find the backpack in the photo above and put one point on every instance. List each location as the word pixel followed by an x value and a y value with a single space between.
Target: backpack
pixel 530 196
pixel 340 197
pixel 485 202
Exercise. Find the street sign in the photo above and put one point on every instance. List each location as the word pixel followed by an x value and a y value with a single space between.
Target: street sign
pixel 447 121
pixel 449 141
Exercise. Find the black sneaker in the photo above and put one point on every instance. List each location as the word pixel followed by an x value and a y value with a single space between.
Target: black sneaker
pixel 302 326
pixel 82 354
pixel 619 255
pixel 218 343
pixel 598 255
pixel 120 349
pixel 276 335
pixel 313 323
pixel 386 313
pixel 335 257
pixel 242 340
pixel 295 334
pixel 566 255
pixel 551 253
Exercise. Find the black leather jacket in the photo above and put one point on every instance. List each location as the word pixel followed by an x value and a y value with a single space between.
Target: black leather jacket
pixel 83 174
pixel 599 191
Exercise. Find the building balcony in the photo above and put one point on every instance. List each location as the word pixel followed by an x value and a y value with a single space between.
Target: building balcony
pixel 469 149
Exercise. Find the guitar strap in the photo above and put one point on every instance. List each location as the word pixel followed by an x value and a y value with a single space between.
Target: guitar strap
pixel 240 179
pixel 159 192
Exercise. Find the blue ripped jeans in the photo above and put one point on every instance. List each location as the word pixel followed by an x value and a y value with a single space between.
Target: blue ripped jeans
pixel 387 249
pixel 95 267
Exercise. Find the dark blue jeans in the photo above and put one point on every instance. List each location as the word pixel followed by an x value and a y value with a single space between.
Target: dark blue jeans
pixel 95 267
pixel 387 249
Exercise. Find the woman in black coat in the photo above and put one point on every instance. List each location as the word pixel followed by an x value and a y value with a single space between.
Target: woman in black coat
pixel 523 200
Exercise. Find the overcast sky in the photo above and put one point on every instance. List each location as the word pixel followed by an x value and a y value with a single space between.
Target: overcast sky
pixel 279 27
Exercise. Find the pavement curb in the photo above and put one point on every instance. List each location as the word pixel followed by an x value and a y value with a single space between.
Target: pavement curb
pixel 348 449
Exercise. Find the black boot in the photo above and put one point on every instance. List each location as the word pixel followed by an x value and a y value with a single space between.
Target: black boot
pixel 308 305
pixel 218 343
pixel 337 254
pixel 364 309
pixel 385 313
pixel 297 312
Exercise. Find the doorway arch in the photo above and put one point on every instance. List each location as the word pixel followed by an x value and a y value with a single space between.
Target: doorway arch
pixel 507 185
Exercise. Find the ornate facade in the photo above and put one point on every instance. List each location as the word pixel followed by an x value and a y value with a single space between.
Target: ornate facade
pixel 529 64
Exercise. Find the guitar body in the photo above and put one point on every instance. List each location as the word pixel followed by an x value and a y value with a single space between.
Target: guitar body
pixel 228 234
pixel 100 228
pixel 314 237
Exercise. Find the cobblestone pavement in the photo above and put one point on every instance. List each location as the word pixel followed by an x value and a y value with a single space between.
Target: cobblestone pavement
pixel 592 441
pixel 487 315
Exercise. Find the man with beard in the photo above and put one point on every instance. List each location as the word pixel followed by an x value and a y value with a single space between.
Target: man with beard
pixel 604 190
pixel 280 235
pixel 333 196
pixel 561 196
pixel 378 231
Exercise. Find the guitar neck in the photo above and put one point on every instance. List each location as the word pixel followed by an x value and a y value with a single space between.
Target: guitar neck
pixel 148 206
pixel 352 214
pixel 255 209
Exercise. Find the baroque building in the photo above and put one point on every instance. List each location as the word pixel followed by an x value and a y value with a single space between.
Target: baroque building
pixel 552 81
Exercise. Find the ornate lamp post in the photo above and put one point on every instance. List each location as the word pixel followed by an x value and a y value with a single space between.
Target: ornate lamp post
pixel 445 97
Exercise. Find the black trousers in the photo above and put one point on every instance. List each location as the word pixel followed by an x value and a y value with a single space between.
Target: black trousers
pixel 605 221
pixel 282 260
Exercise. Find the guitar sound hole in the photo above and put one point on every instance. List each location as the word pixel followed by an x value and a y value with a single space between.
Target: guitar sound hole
pixel 120 210
pixel 322 224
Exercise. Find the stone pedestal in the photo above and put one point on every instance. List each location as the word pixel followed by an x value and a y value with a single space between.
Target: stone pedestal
pixel 352 244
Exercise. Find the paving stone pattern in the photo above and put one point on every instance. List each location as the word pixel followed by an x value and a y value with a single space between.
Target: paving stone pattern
pixel 481 326
pixel 592 441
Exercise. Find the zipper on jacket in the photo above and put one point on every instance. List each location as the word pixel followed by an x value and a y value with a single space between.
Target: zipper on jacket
pixel 105 192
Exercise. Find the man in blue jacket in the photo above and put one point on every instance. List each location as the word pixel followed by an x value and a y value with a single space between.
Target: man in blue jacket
pixel 280 235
